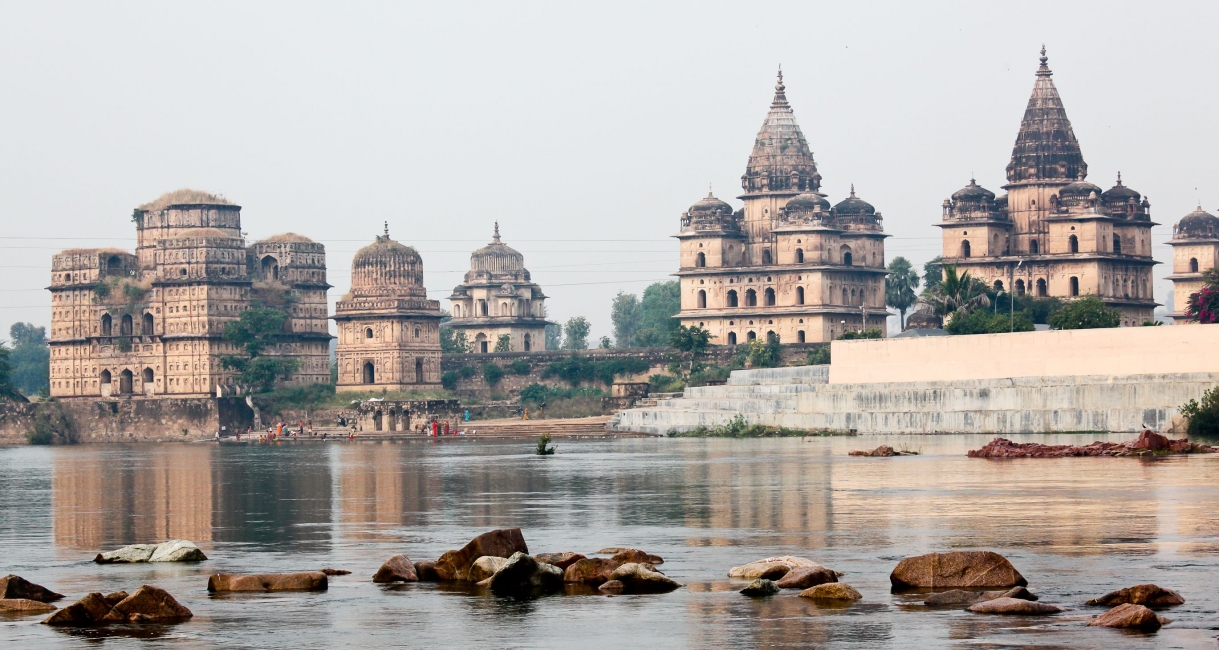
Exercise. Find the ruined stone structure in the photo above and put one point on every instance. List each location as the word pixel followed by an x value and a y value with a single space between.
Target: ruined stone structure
pixel 151 324
pixel 1054 233
pixel 1195 250
pixel 788 264
pixel 389 332
pixel 497 298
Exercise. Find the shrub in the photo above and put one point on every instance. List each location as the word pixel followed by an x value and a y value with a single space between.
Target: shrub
pixel 1203 416
pixel 819 356
pixel 985 322
pixel 449 379
pixel 763 354
pixel 519 367
pixel 52 426
pixel 467 371
pixel 870 333
pixel 737 427
pixel 665 384
pixel 1085 313
pixel 708 374
pixel 492 374
pixel 576 370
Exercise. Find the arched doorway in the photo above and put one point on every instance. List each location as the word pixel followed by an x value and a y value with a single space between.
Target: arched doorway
pixel 1117 244
pixel 114 265
pixel 125 378
pixel 799 295
pixel 1041 288
pixel 1193 265
pixel 1019 287
pixel 702 299
pixel 269 268
pixel 732 301
pixel 965 249
pixel 147 377
pixel 766 256
pixel 377 420
pixel 701 260
pixel 528 343
pixel 1034 247
pixel 731 338
pixel 799 256
pixel 107 325
pixel 368 333
pixel 770 297
pixel 418 371
pixel 146 326
pixel 751 298
pixel 1074 286
pixel 751 336
pixel 1073 244
pixel 105 378
pixel 125 325
pixel 481 343
pixel 800 336
pixel 370 373
pixel 998 286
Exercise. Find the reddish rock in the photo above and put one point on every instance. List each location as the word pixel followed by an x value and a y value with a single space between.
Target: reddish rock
pixel 337 572
pixel 25 605
pixel 1017 606
pixel 771 568
pixel 148 605
pixel 629 555
pixel 426 571
pixel 638 579
pixel 1128 616
pixel 806 577
pixel 455 565
pixel 1146 443
pixel 1149 595
pixel 1150 440
pixel 90 610
pixel 13 586
pixel 958 569
pixel 561 560
pixel 396 569
pixel 307 581
pixel 590 571
pixel 115 598
pixel 832 591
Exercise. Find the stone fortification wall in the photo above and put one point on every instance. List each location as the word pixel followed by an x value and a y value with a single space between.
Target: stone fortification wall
pixel 172 419
pixel 1116 352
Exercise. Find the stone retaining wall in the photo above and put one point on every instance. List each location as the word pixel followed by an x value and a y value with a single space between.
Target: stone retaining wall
pixel 130 420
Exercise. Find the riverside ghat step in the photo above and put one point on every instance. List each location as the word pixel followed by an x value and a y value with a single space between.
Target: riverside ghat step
pixel 558 428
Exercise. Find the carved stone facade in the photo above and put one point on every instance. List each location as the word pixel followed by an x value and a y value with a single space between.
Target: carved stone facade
pixel 389 332
pixel 1195 250
pixel 497 298
pixel 151 324
pixel 1053 233
pixel 788 264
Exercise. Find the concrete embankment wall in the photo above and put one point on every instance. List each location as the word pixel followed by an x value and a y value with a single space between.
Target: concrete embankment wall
pixel 128 420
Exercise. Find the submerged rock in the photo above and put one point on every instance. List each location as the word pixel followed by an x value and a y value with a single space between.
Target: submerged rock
pixel 832 591
pixel 960 597
pixel 1146 443
pixel 561 560
pixel 307 581
pixel 1150 595
pixel 426 571
pixel 771 568
pixel 25 605
pixel 806 577
pixel 175 550
pixel 760 587
pixel 338 572
pixel 1014 606
pixel 1130 616
pixel 90 610
pixel 485 567
pixel 959 569
pixel 881 451
pixel 148 605
pixel 396 569
pixel 16 587
pixel 455 565
pixel 522 574
pixel 612 587
pixel 638 579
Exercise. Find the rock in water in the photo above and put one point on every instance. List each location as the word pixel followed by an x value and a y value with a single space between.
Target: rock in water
pixel 959 597
pixel 339 572
pixel 14 586
pixel 590 571
pixel 25 605
pixel 177 550
pixel 426 570
pixel 882 451
pixel 1014 606
pixel 760 587
pixel 455 565
pixel 1129 616
pixel 522 574
pixel 561 560
pixel 485 567
pixel 638 579
pixel 1149 595
pixel 612 587
pixel 959 569
pixel 396 569
pixel 307 581
pixel 629 555
pixel 127 554
pixel 771 568
pixel 115 597
pixel 806 577
pixel 90 610
pixel 832 591
pixel 148 605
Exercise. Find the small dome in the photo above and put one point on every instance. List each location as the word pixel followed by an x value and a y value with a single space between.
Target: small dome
pixel 808 202
pixel 497 257
pixel 710 205
pixel 1120 193
pixel 854 205
pixel 1198 224
pixel 973 193
pixel 387 268
pixel 1001 201
pixel 185 196
pixel 288 237
pixel 1079 188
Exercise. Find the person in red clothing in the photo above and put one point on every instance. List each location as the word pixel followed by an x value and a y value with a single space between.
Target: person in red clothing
pixel 446 427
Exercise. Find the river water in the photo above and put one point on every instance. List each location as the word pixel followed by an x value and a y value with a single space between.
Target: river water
pixel 1076 528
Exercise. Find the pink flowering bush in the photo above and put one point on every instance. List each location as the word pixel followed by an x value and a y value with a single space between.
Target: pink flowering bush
pixel 1204 305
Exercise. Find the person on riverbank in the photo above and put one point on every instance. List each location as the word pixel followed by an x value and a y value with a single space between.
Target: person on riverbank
pixel 525 416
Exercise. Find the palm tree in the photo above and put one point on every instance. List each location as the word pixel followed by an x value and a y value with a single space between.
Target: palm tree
pixel 899 287
pixel 955 293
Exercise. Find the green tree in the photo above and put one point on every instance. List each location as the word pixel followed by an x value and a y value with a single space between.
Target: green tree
pixel 448 379
pixel 660 303
pixel 981 321
pixel 933 272
pixel 7 389
pixel 453 341
pixel 955 294
pixel 576 330
pixel 1204 416
pixel 253 334
pixel 606 343
pixel 899 287
pixel 1088 312
pixel 503 343
pixel 692 339
pixel 492 374
pixel 554 336
pixel 626 316
pixel 30 358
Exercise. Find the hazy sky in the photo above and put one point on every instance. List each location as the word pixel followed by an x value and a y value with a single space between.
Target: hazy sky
pixel 585 130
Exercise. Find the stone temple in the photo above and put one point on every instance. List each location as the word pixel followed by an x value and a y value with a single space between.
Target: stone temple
pixel 1195 250
pixel 151 324
pixel 788 264
pixel 389 332
pixel 498 299
pixel 1053 233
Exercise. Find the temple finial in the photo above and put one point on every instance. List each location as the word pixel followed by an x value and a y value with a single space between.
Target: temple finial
pixel 709 193
pixel 496 235
pixel 1044 70
pixel 852 190
pixel 387 230
pixel 780 92
pixel 1119 179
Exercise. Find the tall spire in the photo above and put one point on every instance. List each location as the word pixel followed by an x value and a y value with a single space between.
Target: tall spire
pixel 495 237
pixel 780 100
pixel 1046 148
pixel 781 160
pixel 387 230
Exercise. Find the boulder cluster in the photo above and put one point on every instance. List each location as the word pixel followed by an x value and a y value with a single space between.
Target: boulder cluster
pixel 147 605
pixel 175 550
pixel 1148 443
pixel 883 451
pixel 500 561
pixel 773 574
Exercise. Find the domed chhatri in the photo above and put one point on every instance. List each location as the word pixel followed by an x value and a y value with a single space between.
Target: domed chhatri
pixel 1054 233
pixel 788 264
pixel 389 332
pixel 497 305
pixel 1195 250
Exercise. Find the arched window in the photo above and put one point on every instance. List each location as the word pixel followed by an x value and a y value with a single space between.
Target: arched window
pixel 732 302
pixel 770 297
pixel 125 325
pixel 481 343
pixel 701 260
pixel 269 268
pixel 1041 288
pixel 1074 286
pixel 370 373
pixel 751 336
pixel 1117 244
pixel 107 325
pixel 125 378
pixel 105 377
pixel 147 325
pixel 731 338
pixel 702 299
pixel 368 332
pixel 799 295
pixel 1034 247
pixel 1073 244
pixel 114 265
pixel 418 371
pixel 846 296
pixel 751 298
pixel 766 256
pixel 965 248
pixel 800 336
pixel 1193 265
pixel 528 343
pixel 1019 287
pixel 416 332
pixel 147 377
pixel 999 286
pixel 799 256
pixel 378 420
pixel 771 337
pixel 482 306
